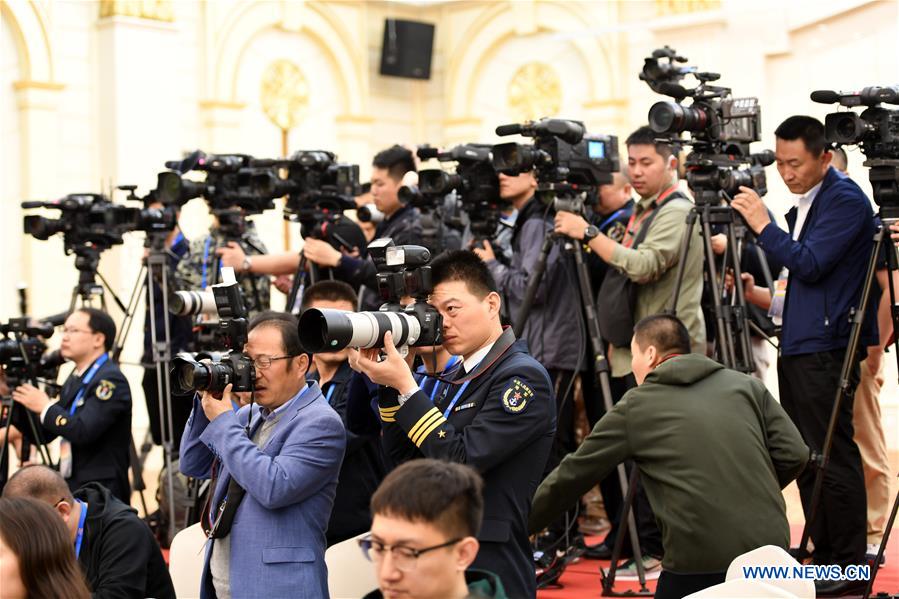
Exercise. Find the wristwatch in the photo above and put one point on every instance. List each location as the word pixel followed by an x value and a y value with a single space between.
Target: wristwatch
pixel 247 264
pixel 404 397
pixel 590 233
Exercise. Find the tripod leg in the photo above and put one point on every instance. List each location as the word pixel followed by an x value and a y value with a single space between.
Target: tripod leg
pixel 883 546
pixel 724 342
pixel 739 313
pixel 682 259
pixel 848 363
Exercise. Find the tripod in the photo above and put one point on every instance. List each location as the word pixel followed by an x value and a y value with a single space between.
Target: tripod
pixel 602 373
pixel 733 345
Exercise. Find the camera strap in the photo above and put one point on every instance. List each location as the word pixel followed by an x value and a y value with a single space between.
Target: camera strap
pixel 86 381
pixel 500 346
pixel 632 233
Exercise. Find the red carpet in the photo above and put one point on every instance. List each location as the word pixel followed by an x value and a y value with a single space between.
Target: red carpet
pixel 581 579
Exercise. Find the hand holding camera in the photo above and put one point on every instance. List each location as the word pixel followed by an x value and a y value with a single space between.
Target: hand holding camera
pixel 392 371
pixel 215 404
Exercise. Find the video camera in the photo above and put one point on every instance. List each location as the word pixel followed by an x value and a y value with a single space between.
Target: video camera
pixel 474 184
pixel 402 272
pixel 875 131
pixel 213 371
pixel 567 160
pixel 23 352
pixel 721 127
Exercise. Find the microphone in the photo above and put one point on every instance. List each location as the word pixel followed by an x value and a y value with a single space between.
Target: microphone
pixel 825 96
pixel 27 205
pixel 676 91
pixel 508 129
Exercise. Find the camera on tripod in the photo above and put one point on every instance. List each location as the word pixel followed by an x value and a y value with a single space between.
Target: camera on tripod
pixel 876 132
pixel 23 352
pixel 721 128
pixel 403 271
pixel 210 370
pixel 474 183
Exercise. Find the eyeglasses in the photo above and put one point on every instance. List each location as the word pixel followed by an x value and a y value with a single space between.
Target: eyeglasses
pixel 263 362
pixel 404 558
pixel 67 331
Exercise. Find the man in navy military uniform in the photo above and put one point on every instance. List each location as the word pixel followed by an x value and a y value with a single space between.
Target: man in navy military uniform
pixel 494 412
pixel 93 415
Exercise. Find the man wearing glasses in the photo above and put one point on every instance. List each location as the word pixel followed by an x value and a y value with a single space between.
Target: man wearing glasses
pixel 93 414
pixel 277 460
pixel 422 542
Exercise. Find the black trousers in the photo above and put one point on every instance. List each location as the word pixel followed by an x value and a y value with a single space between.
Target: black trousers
pixel 808 386
pixel 675 586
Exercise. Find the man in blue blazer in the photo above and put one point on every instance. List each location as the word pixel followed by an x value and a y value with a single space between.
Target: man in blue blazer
pixel 826 253
pixel 274 467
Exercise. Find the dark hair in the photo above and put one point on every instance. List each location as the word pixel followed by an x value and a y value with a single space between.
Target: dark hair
pixel 38 482
pixel 666 332
pixel 463 265
pixel 99 321
pixel 286 324
pixel 807 128
pixel 396 159
pixel 645 136
pixel 332 291
pixel 36 534
pixel 445 494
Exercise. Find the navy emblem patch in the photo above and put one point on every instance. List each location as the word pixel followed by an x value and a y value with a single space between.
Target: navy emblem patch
pixel 616 231
pixel 104 390
pixel 516 397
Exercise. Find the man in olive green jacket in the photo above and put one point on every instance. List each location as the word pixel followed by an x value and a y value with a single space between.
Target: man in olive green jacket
pixel 714 451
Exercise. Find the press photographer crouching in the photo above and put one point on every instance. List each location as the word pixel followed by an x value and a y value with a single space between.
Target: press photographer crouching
pixel 714 450
pixel 363 464
pixel 494 412
pixel 93 414
pixel 273 464
pixel 114 547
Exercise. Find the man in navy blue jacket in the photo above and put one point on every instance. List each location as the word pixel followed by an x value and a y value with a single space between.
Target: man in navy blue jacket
pixel 826 253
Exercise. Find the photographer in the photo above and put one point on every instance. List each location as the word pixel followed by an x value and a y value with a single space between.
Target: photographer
pixel 197 271
pixel 644 265
pixel 363 464
pixel 826 253
pixel 401 222
pixel 494 412
pixel 93 414
pixel 277 460
pixel 686 412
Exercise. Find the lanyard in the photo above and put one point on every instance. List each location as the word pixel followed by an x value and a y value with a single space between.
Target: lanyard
pixel 632 233
pixel 86 381
pixel 80 536
pixel 205 261
pixel 424 379
pixel 456 398
pixel 611 218
pixel 330 392
pixel 177 239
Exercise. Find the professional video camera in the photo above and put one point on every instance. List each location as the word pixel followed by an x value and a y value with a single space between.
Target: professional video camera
pixel 402 272
pixel 474 184
pixel 213 371
pixel 568 161
pixel 721 127
pixel 23 352
pixel 875 131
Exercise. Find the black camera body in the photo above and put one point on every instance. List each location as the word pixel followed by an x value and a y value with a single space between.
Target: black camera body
pixel 213 371
pixel 402 272
pixel 23 352
pixel 562 153
pixel 721 128
pixel 875 131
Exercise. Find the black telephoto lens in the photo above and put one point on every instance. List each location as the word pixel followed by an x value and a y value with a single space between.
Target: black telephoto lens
pixel 191 375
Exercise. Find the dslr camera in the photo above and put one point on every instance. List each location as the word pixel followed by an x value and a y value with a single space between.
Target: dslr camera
pixel 721 127
pixel 875 131
pixel 213 371
pixel 569 162
pixel 403 271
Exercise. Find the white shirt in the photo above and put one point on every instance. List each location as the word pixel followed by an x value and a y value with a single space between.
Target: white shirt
pixel 476 357
pixel 803 205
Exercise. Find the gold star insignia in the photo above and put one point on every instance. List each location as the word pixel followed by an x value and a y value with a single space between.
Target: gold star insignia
pixel 441 433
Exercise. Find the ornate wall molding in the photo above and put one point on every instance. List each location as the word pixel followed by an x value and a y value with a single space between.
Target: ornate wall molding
pixel 153 10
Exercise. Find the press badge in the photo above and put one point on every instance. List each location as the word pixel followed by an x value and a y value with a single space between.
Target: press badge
pixel 776 311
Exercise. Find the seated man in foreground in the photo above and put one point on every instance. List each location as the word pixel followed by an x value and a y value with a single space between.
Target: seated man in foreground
pixel 426 514
pixel 114 547
pixel 714 450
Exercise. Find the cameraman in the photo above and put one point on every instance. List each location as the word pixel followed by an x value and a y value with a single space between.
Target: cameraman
pixel 363 464
pixel 402 223
pixel 93 414
pixel 494 412
pixel 197 271
pixel 826 254
pixel 644 264
pixel 273 466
